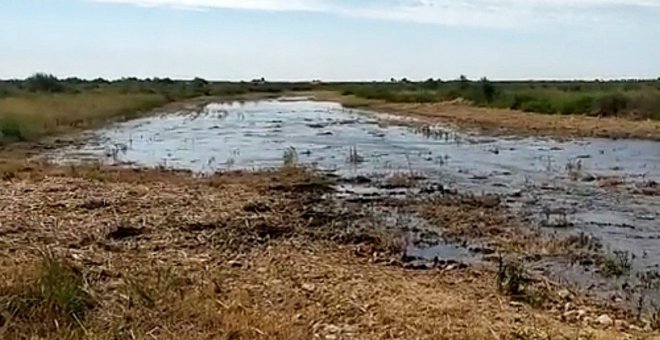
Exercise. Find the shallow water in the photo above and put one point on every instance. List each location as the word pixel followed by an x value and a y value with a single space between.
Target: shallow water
pixel 544 179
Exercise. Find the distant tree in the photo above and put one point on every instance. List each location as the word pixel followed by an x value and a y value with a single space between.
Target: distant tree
pixel 430 84
pixel 166 81
pixel 42 82
pixel 464 82
pixel 202 81
pixel 200 86
pixel 74 80
pixel 100 81
pixel 487 89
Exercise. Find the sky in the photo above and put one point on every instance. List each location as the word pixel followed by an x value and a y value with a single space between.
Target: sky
pixel 331 39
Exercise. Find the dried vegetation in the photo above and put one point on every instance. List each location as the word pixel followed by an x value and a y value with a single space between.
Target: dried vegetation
pixel 137 254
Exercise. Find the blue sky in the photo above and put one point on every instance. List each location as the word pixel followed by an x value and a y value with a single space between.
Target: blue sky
pixel 331 39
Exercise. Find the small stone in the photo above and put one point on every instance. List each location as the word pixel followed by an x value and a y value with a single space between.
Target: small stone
pixel 635 328
pixel 332 329
pixel 588 178
pixel 235 264
pixel 568 306
pixel 308 287
pixel 564 294
pixel 330 337
pixel 604 320
pixel 515 304
pixel 620 324
pixel 572 315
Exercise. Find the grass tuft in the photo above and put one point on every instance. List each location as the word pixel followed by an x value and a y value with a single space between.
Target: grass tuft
pixel 617 264
pixel 290 157
pixel 53 294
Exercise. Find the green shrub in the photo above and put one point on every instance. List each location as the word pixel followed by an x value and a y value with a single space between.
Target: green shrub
pixel 617 264
pixel 581 105
pixel 14 129
pixel 539 105
pixel 612 104
pixel 487 89
pixel 645 105
pixel 519 100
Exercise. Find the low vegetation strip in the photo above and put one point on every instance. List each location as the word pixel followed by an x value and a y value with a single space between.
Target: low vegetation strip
pixel 32 116
pixel 43 105
pixel 637 99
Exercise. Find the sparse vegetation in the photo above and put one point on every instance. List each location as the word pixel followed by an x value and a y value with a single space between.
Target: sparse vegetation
pixel 354 157
pixel 511 277
pixel 51 293
pixel 618 263
pixel 290 157
pixel 574 169
pixel 513 281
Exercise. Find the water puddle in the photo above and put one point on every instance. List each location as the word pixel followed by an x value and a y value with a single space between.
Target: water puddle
pixel 607 188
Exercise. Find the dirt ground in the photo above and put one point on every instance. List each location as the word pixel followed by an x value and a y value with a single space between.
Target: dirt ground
pixel 101 253
pixel 504 121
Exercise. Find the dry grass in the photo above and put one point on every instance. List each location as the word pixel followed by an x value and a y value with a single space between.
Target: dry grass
pixel 236 256
pixel 32 116
pixel 505 121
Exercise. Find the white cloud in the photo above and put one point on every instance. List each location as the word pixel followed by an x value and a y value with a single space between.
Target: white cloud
pixel 271 5
pixel 489 13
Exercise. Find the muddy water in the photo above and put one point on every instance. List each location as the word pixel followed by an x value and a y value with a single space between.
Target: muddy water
pixel 551 182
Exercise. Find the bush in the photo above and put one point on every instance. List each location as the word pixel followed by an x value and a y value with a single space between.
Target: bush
pixel 612 104
pixel 617 264
pixel 581 105
pixel 12 129
pixel 519 100
pixel 646 106
pixel 539 105
pixel 487 89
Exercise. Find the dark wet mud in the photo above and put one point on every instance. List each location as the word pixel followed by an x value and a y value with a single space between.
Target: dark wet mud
pixel 608 189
